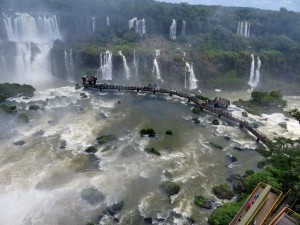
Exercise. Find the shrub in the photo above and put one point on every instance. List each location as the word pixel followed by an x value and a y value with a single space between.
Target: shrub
pixel 224 214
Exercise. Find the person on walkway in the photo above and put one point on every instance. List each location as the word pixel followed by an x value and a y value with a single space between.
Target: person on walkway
pixel 254 222
pixel 249 205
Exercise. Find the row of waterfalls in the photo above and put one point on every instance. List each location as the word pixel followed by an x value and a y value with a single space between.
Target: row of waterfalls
pixel 243 29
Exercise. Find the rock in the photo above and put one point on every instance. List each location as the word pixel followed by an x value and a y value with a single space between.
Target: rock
pixel 77 86
pixel 148 131
pixel 238 148
pixel 171 188
pixel 169 132
pixel 38 133
pixel 167 173
pixel 227 138
pixel 216 122
pixel 34 107
pixel 223 191
pixel 202 202
pixel 152 151
pixel 114 208
pixel 83 95
pixel 245 114
pixel 196 120
pixel 106 138
pixel 116 220
pixel 19 143
pixel 283 125
pixel 92 195
pixel 148 220
pixel 232 158
pixel 238 186
pixel 91 149
pixel 62 144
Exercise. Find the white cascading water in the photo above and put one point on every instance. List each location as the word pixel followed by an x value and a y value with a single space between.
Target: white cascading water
pixel 93 23
pixel 155 69
pixel 135 64
pixel 126 68
pixel 243 29
pixel 183 27
pixel 105 70
pixel 33 37
pixel 254 72
pixel 189 72
pixel 107 21
pixel 69 62
pixel 173 30
pixel 138 25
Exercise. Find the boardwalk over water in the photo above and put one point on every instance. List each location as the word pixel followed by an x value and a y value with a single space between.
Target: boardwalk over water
pixel 202 105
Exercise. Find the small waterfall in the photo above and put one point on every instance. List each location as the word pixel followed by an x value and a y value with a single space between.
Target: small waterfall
pixel 105 70
pixel 107 21
pixel 126 68
pixel 69 63
pixel 93 23
pixel 135 64
pixel 138 25
pixel 191 75
pixel 183 27
pixel 155 69
pixel 173 30
pixel 243 29
pixel 254 72
pixel 33 36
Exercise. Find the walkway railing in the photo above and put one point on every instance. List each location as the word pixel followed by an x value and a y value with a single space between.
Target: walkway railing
pixel 199 103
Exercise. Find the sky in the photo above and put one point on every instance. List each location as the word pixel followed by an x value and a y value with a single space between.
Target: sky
pixel 293 5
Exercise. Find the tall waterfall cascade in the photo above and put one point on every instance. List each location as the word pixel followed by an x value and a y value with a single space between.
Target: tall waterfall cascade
pixel 126 67
pixel 105 70
pixel 69 61
pixel 190 76
pixel 183 28
pixel 254 72
pixel 155 69
pixel 173 28
pixel 33 37
pixel 138 25
pixel 107 21
pixel 135 64
pixel 243 29
pixel 93 23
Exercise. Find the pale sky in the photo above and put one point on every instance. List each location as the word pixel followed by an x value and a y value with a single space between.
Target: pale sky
pixel 293 5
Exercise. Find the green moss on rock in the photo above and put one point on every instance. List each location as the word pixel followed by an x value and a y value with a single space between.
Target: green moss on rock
pixel 171 188
pixel 223 191
pixel 103 139
pixel 10 90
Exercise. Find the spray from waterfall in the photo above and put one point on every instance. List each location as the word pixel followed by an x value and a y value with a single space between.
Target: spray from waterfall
pixel 126 68
pixel 189 73
pixel 155 69
pixel 33 36
pixel 243 29
pixel 135 64
pixel 105 70
pixel 93 23
pixel 183 27
pixel 254 72
pixel 173 30
pixel 69 62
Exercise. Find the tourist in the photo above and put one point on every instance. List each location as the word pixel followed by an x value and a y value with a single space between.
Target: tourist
pixel 249 205
pixel 239 219
pixel 254 222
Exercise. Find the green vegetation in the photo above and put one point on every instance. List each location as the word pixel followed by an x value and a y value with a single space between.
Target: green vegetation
pixel 203 98
pixel 199 200
pixel 196 110
pixel 216 145
pixel 148 131
pixel 171 188
pixel 103 139
pixel 295 113
pixel 169 132
pixel 8 108
pixel 152 151
pixel 263 102
pixel 224 214
pixel 10 90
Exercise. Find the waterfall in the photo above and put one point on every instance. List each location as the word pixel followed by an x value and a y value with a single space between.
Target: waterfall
pixel 105 70
pixel 33 37
pixel 243 29
pixel 107 21
pixel 183 27
pixel 173 30
pixel 126 68
pixel 69 62
pixel 138 25
pixel 192 79
pixel 93 23
pixel 254 72
pixel 135 64
pixel 155 69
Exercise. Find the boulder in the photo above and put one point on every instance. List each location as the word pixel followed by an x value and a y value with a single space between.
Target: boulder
pixel 92 195
pixel 171 188
pixel 232 158
pixel 202 202
pixel 148 220
pixel 216 122
pixel 19 143
pixel 91 149
pixel 223 191
pixel 114 208
pixel 283 125
pixel 245 114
